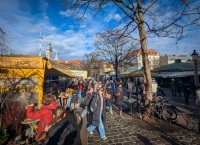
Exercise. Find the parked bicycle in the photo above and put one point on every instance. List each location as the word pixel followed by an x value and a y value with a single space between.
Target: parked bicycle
pixel 159 108
pixel 137 104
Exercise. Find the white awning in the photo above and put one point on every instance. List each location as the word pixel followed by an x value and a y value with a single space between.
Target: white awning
pixel 182 74
pixel 163 74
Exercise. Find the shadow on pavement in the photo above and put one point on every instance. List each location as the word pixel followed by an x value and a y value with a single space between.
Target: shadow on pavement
pixel 172 141
pixel 144 139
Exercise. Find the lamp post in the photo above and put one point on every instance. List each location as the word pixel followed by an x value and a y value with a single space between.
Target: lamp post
pixel 196 79
pixel 194 58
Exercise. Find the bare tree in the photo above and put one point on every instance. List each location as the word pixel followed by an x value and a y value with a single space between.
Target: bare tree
pixel 3 47
pixel 114 48
pixel 92 64
pixel 16 85
pixel 157 17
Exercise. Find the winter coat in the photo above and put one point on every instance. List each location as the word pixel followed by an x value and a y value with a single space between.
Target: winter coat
pixel 187 89
pixel 119 99
pixel 87 100
pixel 112 86
pixel 174 85
pixel 109 100
pixel 74 96
pixel 180 87
pixel 61 133
pixel 84 91
pixel 80 87
pixel 45 114
pixel 96 105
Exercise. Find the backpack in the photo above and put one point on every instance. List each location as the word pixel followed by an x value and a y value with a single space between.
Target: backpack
pixel 92 109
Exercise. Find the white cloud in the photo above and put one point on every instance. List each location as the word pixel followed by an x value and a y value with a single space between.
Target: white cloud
pixel 117 17
pixel 109 18
pixel 22 31
pixel 71 13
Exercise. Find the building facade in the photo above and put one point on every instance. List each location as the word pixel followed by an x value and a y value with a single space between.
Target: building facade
pixel 136 62
pixel 172 58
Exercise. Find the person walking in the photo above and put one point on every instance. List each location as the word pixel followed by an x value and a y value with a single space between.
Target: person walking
pixel 109 98
pixel 85 106
pixel 173 87
pixel 80 89
pixel 119 93
pixel 187 92
pixel 74 100
pixel 180 88
pixel 44 113
pixel 98 105
pixel 69 92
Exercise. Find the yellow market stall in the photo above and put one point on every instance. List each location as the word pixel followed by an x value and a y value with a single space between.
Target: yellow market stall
pixel 22 72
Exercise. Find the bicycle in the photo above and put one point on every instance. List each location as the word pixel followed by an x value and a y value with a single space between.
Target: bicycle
pixel 162 110
pixel 137 103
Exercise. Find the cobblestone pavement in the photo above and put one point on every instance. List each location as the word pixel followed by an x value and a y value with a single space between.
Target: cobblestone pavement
pixel 131 130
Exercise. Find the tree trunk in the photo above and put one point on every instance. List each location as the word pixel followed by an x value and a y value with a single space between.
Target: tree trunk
pixel 116 70
pixel 145 60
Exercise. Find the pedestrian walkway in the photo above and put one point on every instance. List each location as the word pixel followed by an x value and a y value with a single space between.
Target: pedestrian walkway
pixel 129 130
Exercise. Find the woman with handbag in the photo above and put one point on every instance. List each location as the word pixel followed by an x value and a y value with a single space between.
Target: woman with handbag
pixel 98 105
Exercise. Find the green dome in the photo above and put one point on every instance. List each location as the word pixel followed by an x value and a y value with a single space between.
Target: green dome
pixel 50 48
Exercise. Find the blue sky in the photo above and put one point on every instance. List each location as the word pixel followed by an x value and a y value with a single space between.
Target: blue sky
pixel 22 21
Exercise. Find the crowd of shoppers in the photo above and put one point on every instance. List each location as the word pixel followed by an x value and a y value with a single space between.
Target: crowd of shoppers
pixel 90 99
pixel 179 88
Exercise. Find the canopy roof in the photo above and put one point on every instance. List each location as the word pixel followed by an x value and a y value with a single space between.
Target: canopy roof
pixel 180 66
pixel 58 68
pixel 175 74
pixel 136 73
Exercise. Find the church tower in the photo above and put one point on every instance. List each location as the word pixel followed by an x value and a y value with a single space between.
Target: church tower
pixel 49 52
pixel 56 57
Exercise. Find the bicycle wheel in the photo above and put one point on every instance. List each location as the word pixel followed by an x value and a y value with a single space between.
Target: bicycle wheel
pixel 134 108
pixel 145 113
pixel 169 114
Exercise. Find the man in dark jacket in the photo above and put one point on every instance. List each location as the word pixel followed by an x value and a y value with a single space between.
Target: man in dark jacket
pixel 119 93
pixel 74 100
pixel 60 131
pixel 173 87
pixel 109 98
pixel 187 91
pixel 98 105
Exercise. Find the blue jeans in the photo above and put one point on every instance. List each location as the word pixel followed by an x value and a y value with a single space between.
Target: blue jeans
pixel 79 94
pixel 108 108
pixel 69 101
pixel 100 127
